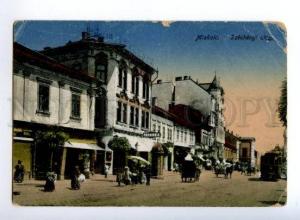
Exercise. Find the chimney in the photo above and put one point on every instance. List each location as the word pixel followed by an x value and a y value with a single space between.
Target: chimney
pixel 85 35
pixel 159 81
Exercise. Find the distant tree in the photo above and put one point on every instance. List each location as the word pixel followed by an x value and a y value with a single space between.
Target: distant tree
pixel 282 106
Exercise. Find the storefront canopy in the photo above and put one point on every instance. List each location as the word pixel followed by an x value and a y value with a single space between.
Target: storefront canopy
pixel 83 146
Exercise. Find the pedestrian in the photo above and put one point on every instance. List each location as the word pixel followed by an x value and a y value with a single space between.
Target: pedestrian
pixel 75 184
pixel 50 182
pixel 148 175
pixel 19 172
pixel 106 168
pixel 127 176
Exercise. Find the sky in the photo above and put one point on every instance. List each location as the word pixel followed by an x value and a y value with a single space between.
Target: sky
pixel 248 57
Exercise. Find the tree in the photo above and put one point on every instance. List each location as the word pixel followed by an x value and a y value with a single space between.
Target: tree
pixel 52 139
pixel 119 144
pixel 282 106
pixel 121 148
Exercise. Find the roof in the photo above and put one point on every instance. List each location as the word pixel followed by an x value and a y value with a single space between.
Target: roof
pixel 24 54
pixel 87 43
pixel 204 85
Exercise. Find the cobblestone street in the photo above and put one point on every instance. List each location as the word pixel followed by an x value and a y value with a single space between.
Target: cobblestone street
pixel 241 190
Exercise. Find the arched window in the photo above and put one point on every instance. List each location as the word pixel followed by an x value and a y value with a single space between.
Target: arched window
pixel 101 67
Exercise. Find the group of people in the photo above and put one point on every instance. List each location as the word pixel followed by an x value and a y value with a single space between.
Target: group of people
pixel 138 174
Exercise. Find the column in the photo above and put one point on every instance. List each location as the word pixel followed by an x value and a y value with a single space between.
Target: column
pixel 61 175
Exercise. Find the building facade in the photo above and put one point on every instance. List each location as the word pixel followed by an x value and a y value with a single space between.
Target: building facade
pixel 48 95
pixel 247 150
pixel 124 107
pixel 207 98
pixel 231 146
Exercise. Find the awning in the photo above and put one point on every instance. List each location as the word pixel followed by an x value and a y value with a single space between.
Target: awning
pixel 23 139
pixel 83 146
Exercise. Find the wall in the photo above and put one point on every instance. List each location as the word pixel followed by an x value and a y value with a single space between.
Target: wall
pixel 22 151
pixel 25 100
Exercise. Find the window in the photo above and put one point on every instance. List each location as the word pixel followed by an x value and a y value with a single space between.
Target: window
pixel 143 119
pixel 137 117
pixel 101 67
pixel 181 135
pixel 131 115
pixel 177 134
pixel 132 83
pixel 120 77
pixel 163 133
pixel 170 134
pixel 101 72
pixel 122 82
pixel 154 127
pixel 158 129
pixel 124 113
pixel 146 89
pixel 43 100
pixel 124 79
pixel 75 112
pixel 185 134
pixel 137 87
pixel 147 119
pixel 119 109
pixel 100 111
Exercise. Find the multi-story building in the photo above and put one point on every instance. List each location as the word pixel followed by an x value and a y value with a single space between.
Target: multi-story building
pixel 123 107
pixel 247 150
pixel 163 124
pixel 231 146
pixel 207 98
pixel 48 95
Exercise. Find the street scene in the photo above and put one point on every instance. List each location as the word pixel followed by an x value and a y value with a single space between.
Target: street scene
pixel 210 191
pixel 149 114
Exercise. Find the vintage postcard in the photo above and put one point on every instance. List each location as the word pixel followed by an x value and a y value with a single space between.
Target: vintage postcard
pixel 149 113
